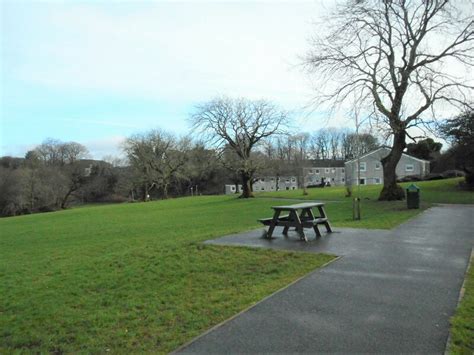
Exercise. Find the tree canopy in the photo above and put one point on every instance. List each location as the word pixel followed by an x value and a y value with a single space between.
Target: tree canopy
pixel 240 125
pixel 397 60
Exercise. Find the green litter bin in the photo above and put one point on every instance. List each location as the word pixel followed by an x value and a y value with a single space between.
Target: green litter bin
pixel 413 196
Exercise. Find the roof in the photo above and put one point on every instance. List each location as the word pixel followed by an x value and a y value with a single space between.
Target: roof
pixel 387 148
pixel 325 163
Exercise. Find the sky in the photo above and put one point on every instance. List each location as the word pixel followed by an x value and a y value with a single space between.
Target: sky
pixel 96 72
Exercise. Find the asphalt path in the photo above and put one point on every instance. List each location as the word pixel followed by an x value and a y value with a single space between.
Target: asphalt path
pixel 390 292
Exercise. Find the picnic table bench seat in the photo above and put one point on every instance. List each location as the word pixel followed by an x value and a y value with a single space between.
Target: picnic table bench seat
pixel 268 221
pixel 309 222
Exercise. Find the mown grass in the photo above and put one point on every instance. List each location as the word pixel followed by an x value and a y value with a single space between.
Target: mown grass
pixel 462 324
pixel 132 277
pixel 436 191
pixel 135 277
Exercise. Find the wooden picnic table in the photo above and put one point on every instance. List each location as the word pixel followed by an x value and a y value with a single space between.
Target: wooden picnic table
pixel 299 216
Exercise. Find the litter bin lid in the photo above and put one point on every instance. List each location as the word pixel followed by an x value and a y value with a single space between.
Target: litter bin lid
pixel 413 187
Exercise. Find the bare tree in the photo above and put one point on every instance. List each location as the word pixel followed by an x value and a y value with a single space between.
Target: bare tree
pixel 49 152
pixel 241 124
pixel 72 151
pixel 354 145
pixel 321 141
pixel 200 170
pixel 402 58
pixel 334 142
pixel 157 158
pixel 301 145
pixel 63 157
pixel 281 148
pixel 57 153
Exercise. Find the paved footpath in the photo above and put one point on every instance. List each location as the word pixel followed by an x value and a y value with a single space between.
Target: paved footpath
pixel 391 292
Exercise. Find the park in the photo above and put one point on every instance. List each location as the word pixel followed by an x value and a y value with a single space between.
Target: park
pixel 237 177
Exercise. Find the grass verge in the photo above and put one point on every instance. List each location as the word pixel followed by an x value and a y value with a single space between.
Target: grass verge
pixel 462 324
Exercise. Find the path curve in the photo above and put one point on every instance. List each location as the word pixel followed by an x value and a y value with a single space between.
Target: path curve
pixel 391 292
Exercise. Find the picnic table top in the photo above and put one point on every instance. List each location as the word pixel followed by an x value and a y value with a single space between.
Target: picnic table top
pixel 298 206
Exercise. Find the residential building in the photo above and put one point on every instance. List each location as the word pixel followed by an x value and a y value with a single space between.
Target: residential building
pixel 326 172
pixel 371 170
pixel 268 183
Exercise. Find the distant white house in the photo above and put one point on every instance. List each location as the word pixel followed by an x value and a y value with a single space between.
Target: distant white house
pixel 371 170
pixel 267 183
pixel 327 171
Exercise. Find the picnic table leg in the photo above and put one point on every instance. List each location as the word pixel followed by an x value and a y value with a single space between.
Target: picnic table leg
pixel 273 224
pixel 316 230
pixel 299 226
pixel 310 214
pixel 323 215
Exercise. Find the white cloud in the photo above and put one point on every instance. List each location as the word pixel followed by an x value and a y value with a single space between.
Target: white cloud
pixel 107 146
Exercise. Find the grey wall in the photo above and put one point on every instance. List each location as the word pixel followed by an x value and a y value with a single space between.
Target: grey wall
pixel 268 183
pixel 313 176
pixel 373 173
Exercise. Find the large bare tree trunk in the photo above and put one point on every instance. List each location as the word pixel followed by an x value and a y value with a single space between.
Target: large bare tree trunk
pixel 391 190
pixel 246 186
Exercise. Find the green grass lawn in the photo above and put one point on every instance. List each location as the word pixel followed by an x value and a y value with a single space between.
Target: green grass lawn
pixel 436 191
pixel 134 277
pixel 462 324
pixel 378 214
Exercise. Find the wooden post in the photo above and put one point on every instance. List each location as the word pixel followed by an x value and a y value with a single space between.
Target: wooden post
pixel 356 209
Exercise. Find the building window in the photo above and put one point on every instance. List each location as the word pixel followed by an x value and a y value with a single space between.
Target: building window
pixel 409 167
pixel 363 166
pixel 326 170
pixel 272 179
pixel 294 188
pixel 317 171
pixel 342 179
pixel 293 179
pixel 362 181
pixel 287 180
pixel 287 188
pixel 232 188
pixel 333 171
pixel 377 165
pixel 377 180
pixel 263 189
pixel 343 171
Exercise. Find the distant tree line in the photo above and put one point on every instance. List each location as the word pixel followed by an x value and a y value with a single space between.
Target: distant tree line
pixel 323 144
pixel 158 164
pixel 56 175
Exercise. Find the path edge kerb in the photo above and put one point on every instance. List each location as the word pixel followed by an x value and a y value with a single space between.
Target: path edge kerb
pixel 461 296
pixel 185 345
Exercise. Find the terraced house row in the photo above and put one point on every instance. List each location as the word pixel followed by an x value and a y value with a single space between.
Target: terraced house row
pixel 339 172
